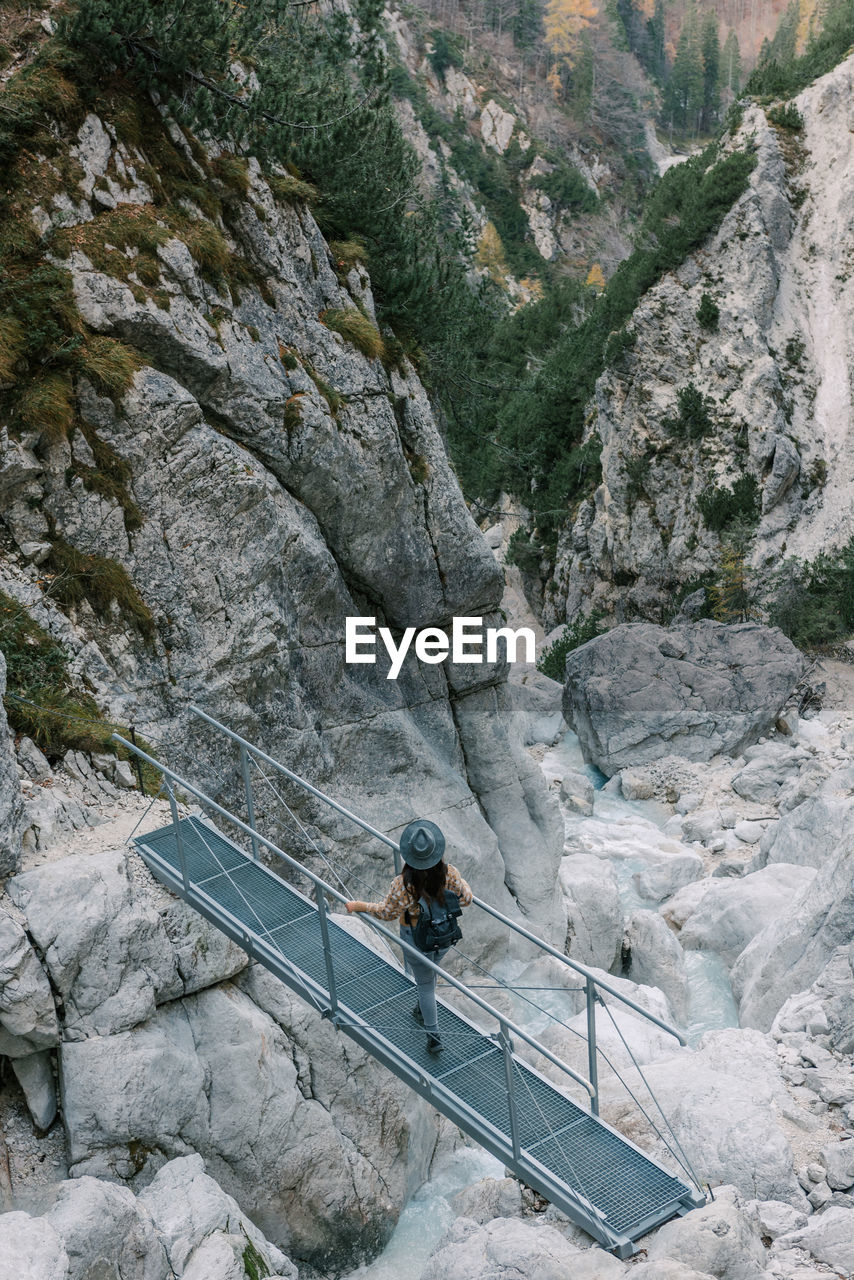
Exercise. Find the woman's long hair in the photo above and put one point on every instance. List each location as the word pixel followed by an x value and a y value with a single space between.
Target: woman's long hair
pixel 428 884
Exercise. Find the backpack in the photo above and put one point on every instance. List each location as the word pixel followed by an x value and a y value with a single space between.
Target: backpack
pixel 436 927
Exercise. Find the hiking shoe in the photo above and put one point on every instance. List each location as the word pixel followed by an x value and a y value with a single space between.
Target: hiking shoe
pixel 434 1043
pixel 418 1015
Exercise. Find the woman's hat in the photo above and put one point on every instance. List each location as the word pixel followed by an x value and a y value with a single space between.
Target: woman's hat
pixel 422 844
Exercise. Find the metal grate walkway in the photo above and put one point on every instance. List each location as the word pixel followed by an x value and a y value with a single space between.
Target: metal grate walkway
pixel 602 1181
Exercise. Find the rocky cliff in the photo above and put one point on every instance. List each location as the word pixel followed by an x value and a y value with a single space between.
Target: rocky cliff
pixel 769 376
pixel 279 480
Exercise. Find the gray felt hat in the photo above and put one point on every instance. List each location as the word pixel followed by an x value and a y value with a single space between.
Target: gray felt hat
pixel 422 844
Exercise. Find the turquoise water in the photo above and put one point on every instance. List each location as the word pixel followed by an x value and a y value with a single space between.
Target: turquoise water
pixel 711 1007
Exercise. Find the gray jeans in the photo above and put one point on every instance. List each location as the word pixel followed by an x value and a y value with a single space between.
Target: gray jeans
pixel 425 980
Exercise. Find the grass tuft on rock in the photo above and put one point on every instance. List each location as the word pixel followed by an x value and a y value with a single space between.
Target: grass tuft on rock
pixel 109 364
pixel 78 577
pixel 357 329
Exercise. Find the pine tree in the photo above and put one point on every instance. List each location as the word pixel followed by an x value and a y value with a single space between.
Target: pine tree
pixel 526 24
pixel 731 64
pixel 683 99
pixel 658 42
pixel 711 52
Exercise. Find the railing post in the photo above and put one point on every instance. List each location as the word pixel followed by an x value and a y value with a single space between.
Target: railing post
pixel 507 1050
pixel 327 949
pixel 250 802
pixel 178 838
pixel 592 1071
pixel 398 861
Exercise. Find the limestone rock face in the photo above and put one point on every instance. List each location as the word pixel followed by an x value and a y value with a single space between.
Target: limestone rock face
pixel 721 1100
pixel 28 1020
pixel 285 482
pixel 640 692
pixel 732 912
pixel 214 1073
pixel 790 953
pixel 11 805
pixel 774 374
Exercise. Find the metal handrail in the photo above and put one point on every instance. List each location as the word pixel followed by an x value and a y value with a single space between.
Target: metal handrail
pixel 587 973
pixel 323 887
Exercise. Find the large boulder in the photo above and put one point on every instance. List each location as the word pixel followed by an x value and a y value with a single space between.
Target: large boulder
pixel 789 953
pixel 732 912
pixel 721 1239
pixel 723 1101
pixel 115 943
pixel 281 1119
pixel 640 691
pixel 28 1020
pixel 593 910
pixel 106 1232
pixel 657 959
pixel 808 834
pixel 515 1249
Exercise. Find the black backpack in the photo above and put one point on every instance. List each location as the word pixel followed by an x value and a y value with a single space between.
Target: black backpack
pixel 436 927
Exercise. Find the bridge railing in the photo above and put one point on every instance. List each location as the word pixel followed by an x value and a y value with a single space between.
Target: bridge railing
pixel 593 983
pixel 507 1027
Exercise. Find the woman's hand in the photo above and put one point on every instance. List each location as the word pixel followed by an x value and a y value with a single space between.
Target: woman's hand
pixel 356 906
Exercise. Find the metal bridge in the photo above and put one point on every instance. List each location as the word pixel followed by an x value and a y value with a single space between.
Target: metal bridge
pixel 602 1181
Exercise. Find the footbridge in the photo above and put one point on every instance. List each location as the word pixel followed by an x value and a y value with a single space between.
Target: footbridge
pixel 485 1079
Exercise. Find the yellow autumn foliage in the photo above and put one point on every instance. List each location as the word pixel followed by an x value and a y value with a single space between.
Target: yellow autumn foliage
pixel 565 22
pixel 596 277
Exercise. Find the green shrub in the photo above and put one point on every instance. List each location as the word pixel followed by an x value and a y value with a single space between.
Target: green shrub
pixel 693 421
pixel 721 507
pixel 553 659
pixel 813 602
pixel 708 313
pixel 566 188
pixel 786 117
pixel 524 552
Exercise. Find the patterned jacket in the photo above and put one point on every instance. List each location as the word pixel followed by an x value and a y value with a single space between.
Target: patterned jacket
pixel 401 899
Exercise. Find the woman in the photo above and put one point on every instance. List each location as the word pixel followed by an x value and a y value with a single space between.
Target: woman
pixel 425 875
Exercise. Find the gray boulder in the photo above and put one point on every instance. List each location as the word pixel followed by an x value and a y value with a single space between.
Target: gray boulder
pixel 125 946
pixel 490 1198
pixel 34 1074
pixel 808 834
pixel 829 1237
pixel 28 1018
pixel 789 954
pixel 11 806
pixel 31 1249
pixel 196 1222
pixel 106 1233
pixel 838 1160
pixel 509 1249
pixel 732 912
pixel 722 1100
pixel 593 910
pixel 721 1239
pixel 640 692
pixel 658 959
